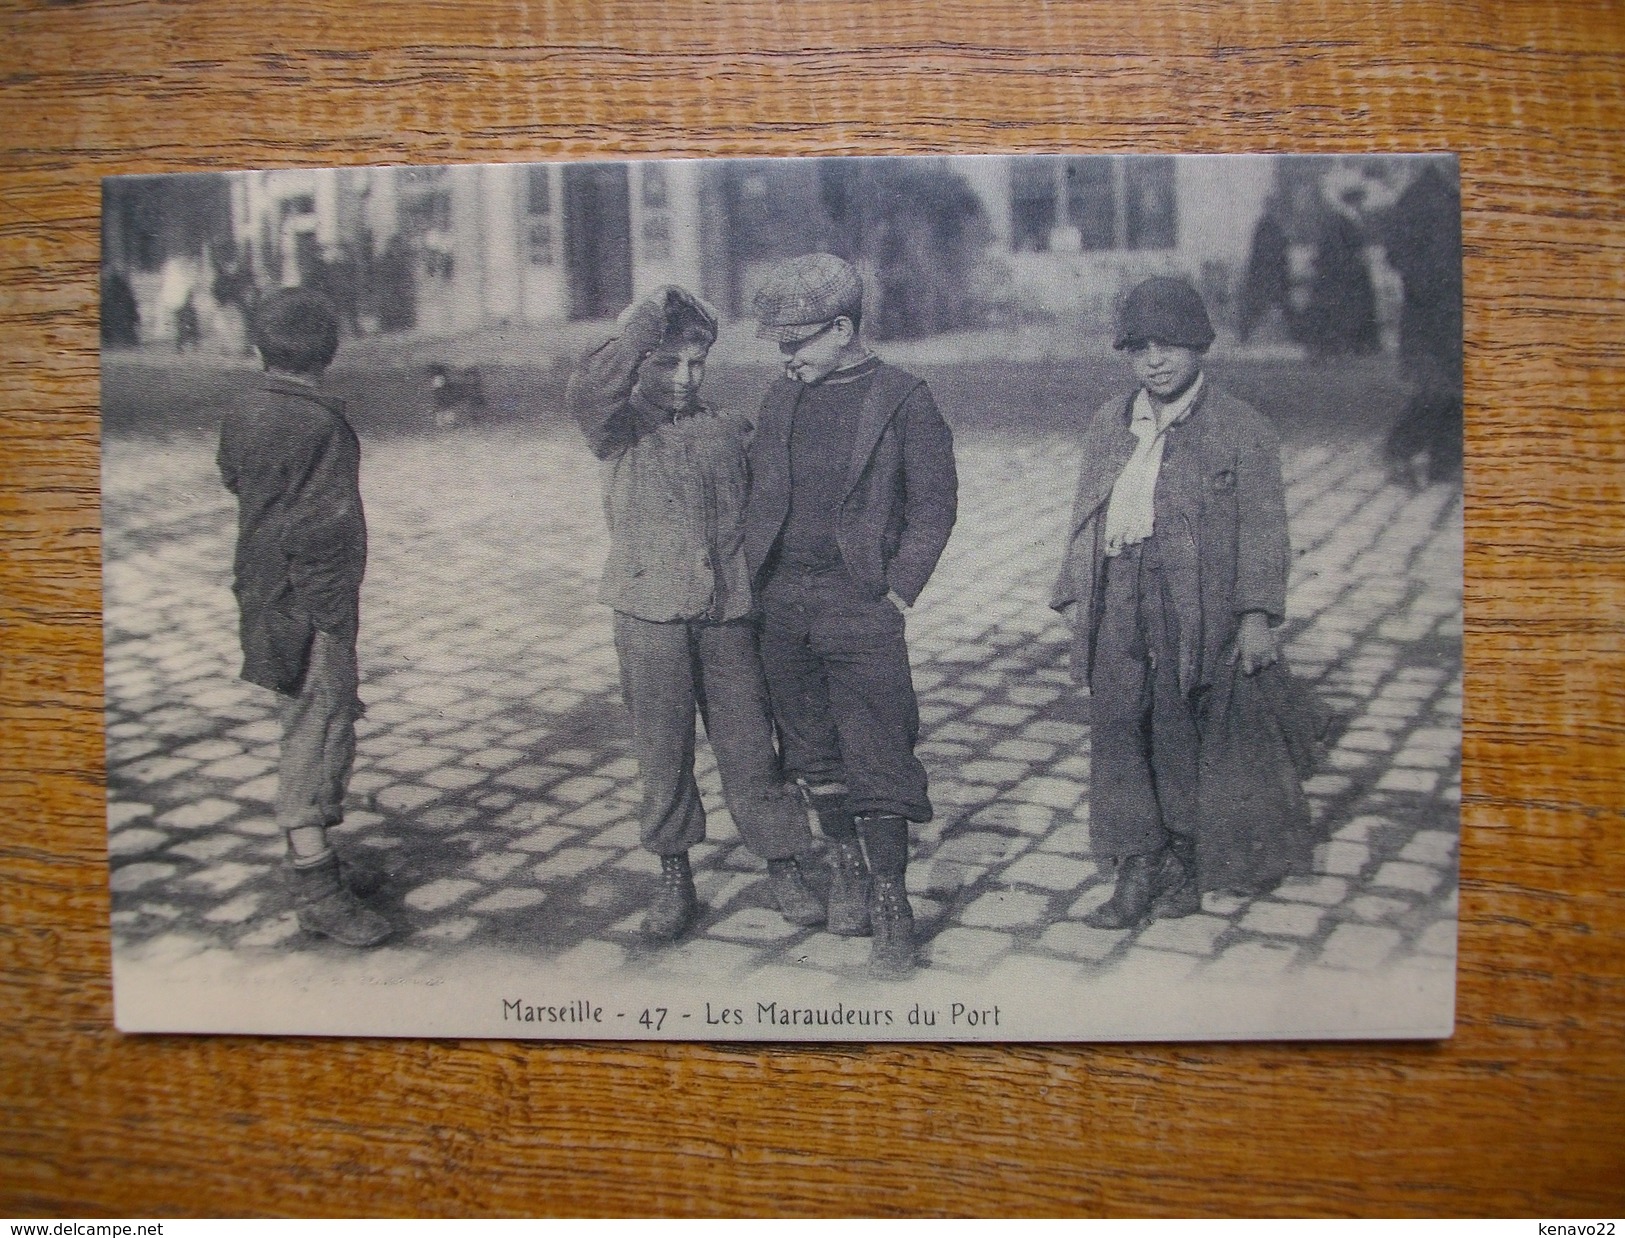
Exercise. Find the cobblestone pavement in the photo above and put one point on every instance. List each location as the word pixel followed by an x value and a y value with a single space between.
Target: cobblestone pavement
pixel 494 785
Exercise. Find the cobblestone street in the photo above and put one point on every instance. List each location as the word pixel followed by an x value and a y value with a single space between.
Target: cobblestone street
pixel 493 783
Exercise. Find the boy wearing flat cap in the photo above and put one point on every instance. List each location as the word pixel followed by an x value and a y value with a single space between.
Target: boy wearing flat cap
pixel 1174 574
pixel 675 481
pixel 853 497
pixel 289 454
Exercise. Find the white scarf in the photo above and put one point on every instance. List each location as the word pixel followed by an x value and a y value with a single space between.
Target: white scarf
pixel 1131 511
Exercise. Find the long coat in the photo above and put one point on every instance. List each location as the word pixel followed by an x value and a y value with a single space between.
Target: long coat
pixel 1221 533
pixel 292 459
pixel 901 494
pixel 1221 528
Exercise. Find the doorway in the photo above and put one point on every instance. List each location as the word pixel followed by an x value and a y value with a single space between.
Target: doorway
pixel 598 239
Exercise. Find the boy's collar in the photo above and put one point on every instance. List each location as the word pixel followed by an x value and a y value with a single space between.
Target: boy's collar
pixel 850 373
pixel 1173 412
pixel 290 380
pixel 304 386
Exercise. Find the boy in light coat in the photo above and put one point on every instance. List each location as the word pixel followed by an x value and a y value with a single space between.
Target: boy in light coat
pixel 675 487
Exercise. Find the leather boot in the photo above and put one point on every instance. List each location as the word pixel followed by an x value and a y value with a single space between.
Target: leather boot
pixel 1139 880
pixel 798 904
pixel 676 905
pixel 1182 897
pixel 849 892
pixel 892 955
pixel 326 906
pixel 361 877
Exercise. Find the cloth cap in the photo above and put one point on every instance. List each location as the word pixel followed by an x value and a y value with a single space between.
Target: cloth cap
pixel 668 305
pixel 803 294
pixel 1166 309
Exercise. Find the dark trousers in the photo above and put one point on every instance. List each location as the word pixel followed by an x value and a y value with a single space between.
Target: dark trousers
pixel 843 695
pixel 668 670
pixel 1143 730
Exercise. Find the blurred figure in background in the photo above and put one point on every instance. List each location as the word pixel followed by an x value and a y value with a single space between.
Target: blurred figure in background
pixel 1266 287
pixel 1341 317
pixel 121 319
pixel 235 293
pixel 188 326
pixel 1426 441
pixel 395 276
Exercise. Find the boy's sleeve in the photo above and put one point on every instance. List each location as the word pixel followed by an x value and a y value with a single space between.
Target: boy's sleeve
pixel 599 396
pixel 931 495
pixel 225 460
pixel 1263 555
pixel 1068 590
pixel 321 532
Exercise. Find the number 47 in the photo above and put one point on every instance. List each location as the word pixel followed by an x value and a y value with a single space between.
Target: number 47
pixel 654 1019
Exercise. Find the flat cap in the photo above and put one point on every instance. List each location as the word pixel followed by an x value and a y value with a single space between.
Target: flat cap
pixel 1167 309
pixel 804 293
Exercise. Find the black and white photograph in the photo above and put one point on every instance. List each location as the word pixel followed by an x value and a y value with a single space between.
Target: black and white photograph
pixel 990 597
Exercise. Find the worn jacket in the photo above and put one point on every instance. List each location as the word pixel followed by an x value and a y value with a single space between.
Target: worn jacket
pixel 901 486
pixel 674 495
pixel 292 459
pixel 1220 521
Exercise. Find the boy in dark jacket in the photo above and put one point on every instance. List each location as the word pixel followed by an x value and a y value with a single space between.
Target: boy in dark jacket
pixel 675 482
pixel 853 496
pixel 291 458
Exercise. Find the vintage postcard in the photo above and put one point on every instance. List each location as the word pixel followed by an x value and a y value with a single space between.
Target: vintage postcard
pixel 998 598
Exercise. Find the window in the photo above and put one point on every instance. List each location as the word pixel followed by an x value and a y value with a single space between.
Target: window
pixel 1032 204
pixel 425 204
pixel 539 198
pixel 1109 201
pixel 1091 200
pixel 657 236
pixel 539 230
pixel 654 196
pixel 425 213
pixel 654 185
pixel 1151 218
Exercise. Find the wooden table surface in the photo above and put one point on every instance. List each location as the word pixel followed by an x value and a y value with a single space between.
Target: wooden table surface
pixel 1523 1112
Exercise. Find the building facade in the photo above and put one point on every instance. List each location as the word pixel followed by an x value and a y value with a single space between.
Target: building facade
pixel 444 250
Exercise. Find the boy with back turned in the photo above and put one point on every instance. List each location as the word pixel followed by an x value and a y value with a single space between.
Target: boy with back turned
pixel 292 459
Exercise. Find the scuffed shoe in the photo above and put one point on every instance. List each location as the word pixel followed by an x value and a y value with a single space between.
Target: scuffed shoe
pixel 327 907
pixel 1181 901
pixel 849 892
pixel 1180 895
pixel 892 955
pixel 797 903
pixel 677 905
pixel 1141 879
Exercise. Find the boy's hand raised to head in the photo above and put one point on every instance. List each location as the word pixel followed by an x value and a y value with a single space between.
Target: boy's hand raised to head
pixel 651 318
pixel 646 324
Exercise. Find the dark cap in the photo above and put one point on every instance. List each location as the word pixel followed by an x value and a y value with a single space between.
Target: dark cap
pixel 1166 309
pixel 803 294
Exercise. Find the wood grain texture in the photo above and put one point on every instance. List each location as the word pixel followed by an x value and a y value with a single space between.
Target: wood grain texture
pixel 1523 1112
